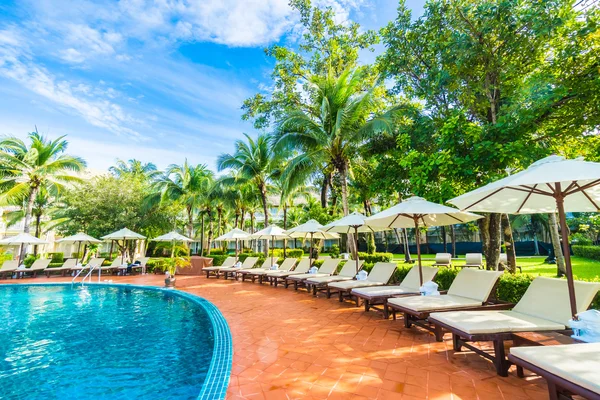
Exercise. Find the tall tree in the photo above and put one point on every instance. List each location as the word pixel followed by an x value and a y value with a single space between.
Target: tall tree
pixel 499 81
pixel 254 161
pixel 341 121
pixel 133 167
pixel 25 170
pixel 185 185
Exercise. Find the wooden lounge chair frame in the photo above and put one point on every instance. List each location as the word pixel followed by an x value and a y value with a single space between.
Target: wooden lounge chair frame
pixel 10 271
pixel 347 293
pixel 33 271
pixel 243 273
pixel 261 277
pixel 234 273
pixel 421 318
pixel 63 270
pixel 301 283
pixel 324 286
pixel 215 270
pixel 558 387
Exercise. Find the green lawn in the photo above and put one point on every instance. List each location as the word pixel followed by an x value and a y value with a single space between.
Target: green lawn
pixel 582 267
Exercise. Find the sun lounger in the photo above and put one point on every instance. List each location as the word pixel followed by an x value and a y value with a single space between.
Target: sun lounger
pixel 471 289
pixel 348 272
pixel 473 260
pixel 114 267
pixel 380 275
pixel 248 263
pixel 286 266
pixel 572 369
pixel 266 265
pixel 443 260
pixel 63 270
pixel 91 262
pixel 142 265
pixel 229 262
pixel 275 277
pixel 38 266
pixel 378 295
pixel 122 269
pixel 545 306
pixel 328 268
pixel 9 268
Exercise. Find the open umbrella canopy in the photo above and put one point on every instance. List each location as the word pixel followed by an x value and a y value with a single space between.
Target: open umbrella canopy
pixel 233 235
pixel 351 223
pixel 123 234
pixel 310 229
pixel 534 189
pixel 81 238
pixel 420 211
pixel 21 238
pixel 548 185
pixel 270 232
pixel 172 237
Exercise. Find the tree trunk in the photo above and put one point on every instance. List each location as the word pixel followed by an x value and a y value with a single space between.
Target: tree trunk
pixel 509 244
pixel 407 257
pixel 560 258
pixel 237 218
pixel 444 239
pixel 220 220
pixel 28 214
pixel 453 239
pixel 325 189
pixel 493 242
pixel 38 222
pixel 210 230
pixel 343 170
pixel 190 213
pixel 263 195
pixel 243 212
pixel 427 250
pixel 252 242
pixel 285 228
pixel 202 236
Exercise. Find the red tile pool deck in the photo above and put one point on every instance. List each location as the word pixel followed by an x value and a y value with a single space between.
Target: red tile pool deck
pixel 290 345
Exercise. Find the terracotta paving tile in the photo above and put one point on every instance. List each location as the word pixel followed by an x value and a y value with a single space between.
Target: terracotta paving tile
pixel 289 345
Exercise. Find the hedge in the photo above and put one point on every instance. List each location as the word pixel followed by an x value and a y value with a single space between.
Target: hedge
pixel 375 257
pixel 290 253
pixel 592 252
pixel 56 257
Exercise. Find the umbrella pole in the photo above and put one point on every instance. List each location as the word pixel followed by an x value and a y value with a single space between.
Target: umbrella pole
pixel 356 246
pixel 236 250
pixel 418 241
pixel 310 250
pixel 566 252
pixel 123 252
pixel 272 249
pixel 172 248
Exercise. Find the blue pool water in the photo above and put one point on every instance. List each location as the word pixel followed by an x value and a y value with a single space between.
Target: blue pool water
pixel 102 342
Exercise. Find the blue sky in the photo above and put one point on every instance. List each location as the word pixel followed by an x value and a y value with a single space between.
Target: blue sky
pixel 158 80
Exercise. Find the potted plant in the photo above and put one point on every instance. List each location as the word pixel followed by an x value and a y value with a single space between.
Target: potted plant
pixel 171 265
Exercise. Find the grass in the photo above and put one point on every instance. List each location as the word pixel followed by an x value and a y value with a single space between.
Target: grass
pixel 583 268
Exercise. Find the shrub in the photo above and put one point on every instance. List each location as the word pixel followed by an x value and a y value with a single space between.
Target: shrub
pixel 218 259
pixel 155 265
pixel 56 257
pixel 375 257
pixel 30 259
pixel 581 239
pixel 445 277
pixel 334 251
pixel 592 252
pixel 55 265
pixel 295 253
pixel 217 252
pixel 512 287
pixel 261 256
pixel 80 254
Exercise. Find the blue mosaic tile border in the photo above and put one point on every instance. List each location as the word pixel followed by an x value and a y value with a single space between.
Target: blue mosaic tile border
pixel 218 374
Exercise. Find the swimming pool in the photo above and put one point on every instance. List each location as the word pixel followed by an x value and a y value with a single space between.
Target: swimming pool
pixel 110 342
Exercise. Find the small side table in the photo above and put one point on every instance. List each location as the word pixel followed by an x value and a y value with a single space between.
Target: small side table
pixel 540 339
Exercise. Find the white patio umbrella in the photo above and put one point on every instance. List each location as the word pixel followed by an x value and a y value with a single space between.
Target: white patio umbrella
pixel 79 238
pixel 172 237
pixel 124 235
pixel 312 229
pixel 548 185
pixel 234 235
pixel 415 212
pixel 351 223
pixel 20 240
pixel 271 232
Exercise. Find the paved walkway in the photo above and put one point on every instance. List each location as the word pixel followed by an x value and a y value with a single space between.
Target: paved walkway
pixel 289 345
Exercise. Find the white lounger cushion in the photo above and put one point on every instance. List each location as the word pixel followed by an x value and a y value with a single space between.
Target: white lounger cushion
pixel 429 303
pixel 285 266
pixel 481 322
pixel 474 284
pixel 328 279
pixel 229 262
pixel 9 265
pixel 247 264
pixel 346 285
pixel 301 277
pixel 443 258
pixel 330 266
pixel 302 267
pixel 577 363
pixel 548 298
pixel 380 291
pixel 411 281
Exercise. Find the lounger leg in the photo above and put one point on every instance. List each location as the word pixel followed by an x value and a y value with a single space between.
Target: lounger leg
pixel 207 272
pixel 500 358
pixel 275 281
pixel 286 284
pixel 296 285
pixel 328 292
pixel 357 301
pixel 553 392
pixel 456 342
pixel 439 334
pixel 407 323
pixel 367 307
pixel 314 290
pixel 341 296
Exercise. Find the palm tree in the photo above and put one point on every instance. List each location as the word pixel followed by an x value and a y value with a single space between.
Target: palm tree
pixel 183 184
pixel 26 170
pixel 253 162
pixel 133 167
pixel 332 134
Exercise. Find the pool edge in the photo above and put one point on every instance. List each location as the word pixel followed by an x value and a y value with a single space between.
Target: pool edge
pixel 219 372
